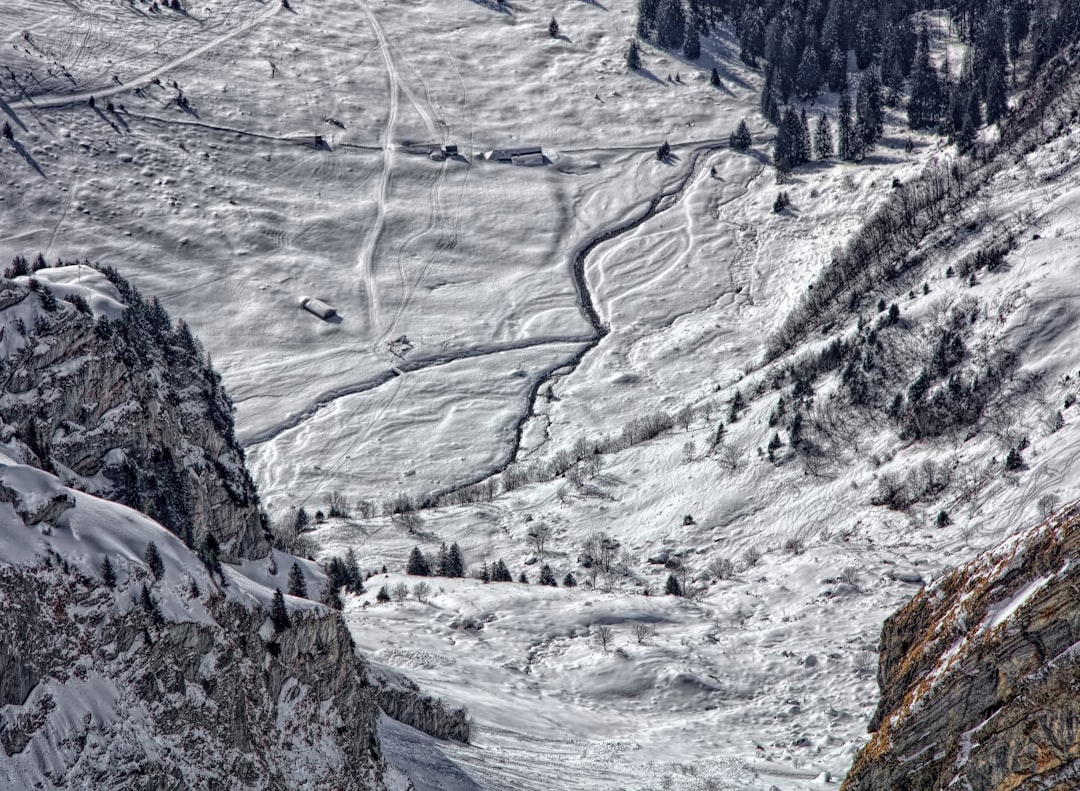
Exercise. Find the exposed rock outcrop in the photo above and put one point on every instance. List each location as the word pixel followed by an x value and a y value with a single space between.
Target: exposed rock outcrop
pixel 979 674
pixel 96 694
pixel 125 405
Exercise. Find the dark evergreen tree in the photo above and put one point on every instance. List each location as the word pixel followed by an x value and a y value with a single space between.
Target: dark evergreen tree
pixel 836 73
pixel 547 576
pixel 663 152
pixel 808 77
pixel 354 580
pixel 523 578
pixel 823 139
pixel 866 39
pixel 805 148
pixel 383 595
pixel 770 97
pixel 670 24
pixel 108 575
pixel 692 43
pixel 297 583
pixel 279 616
pixel 740 138
pixel 150 606
pixel 633 56
pixel 301 520
pixel 331 595
pixel 672 586
pixel 6 131
pixel 869 109
pixel 751 34
pixel 924 106
pixel 417 565
pixel 995 91
pixel 153 560
pixel 714 78
pixel 442 564
pixel 485 572
pixel 569 581
pixel 500 572
pixel 846 146
pixel 646 20
pixel 553 28
pixel 456 565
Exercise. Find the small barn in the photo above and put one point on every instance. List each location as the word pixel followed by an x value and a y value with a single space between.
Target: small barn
pixel 508 154
pixel 318 308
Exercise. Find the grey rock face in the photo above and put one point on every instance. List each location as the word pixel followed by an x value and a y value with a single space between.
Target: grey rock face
pixel 979 672
pixel 129 409
pixel 120 700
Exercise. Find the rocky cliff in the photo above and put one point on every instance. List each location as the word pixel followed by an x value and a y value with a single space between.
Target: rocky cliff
pixel 979 674
pixel 98 386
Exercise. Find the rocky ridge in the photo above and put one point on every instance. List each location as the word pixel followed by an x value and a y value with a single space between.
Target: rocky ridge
pixel 979 672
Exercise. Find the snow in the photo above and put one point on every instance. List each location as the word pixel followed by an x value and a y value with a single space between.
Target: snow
pixel 453 282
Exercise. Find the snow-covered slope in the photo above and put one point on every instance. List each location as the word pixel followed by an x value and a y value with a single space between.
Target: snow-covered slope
pixel 461 286
pixel 164 680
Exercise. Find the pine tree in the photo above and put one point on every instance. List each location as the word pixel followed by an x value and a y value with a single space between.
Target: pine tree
pixel 6 131
pixel 751 29
pixel 670 24
pixel 553 28
pixel 108 575
pixel 383 595
pixel 150 606
pixel 442 564
pixel 279 616
pixel 523 578
pixel 823 140
pixel 547 576
pixel 153 560
pixel 924 106
pixel 692 43
pixel 456 563
pixel 297 583
pixel 485 572
pixel 500 573
pixel 836 74
pixel 646 20
pixel 354 579
pixel 301 521
pixel 870 109
pixel 672 586
pixel 866 39
pixel 331 595
pixel 417 565
pixel 808 76
pixel 568 581
pixel 770 101
pixel 846 129
pixel 714 78
pixel 633 56
pixel 805 149
pixel 663 152
pixel 995 92
pixel 740 138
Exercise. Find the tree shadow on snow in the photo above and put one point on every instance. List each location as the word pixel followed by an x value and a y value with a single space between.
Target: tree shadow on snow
pixel 647 74
pixel 495 5
pixel 11 114
pixel 596 4
pixel 29 159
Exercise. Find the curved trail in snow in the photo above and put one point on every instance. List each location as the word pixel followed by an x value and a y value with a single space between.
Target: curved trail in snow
pixel 147 77
pixel 659 204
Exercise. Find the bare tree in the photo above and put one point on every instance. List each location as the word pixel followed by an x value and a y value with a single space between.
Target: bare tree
pixel 337 505
pixel 643 632
pixel 540 535
pixel 730 458
pixel 721 569
pixel 604 637
pixel 421 591
pixel 400 592
pixel 1048 504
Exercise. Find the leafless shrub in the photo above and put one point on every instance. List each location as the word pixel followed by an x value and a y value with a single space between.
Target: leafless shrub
pixel 576 475
pixel 1048 503
pixel 689 449
pixel 850 575
pixel 539 535
pixel 421 591
pixel 604 637
pixel 641 429
pixel 643 632
pixel 751 556
pixel 720 568
pixel 365 508
pixel 892 491
pixel 731 458
pixel 684 417
pixel 795 545
pixel 400 592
